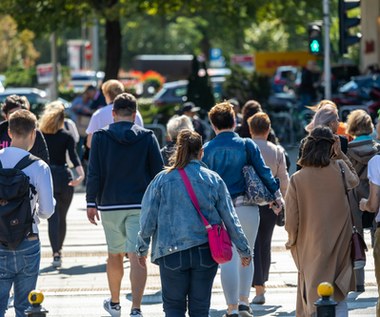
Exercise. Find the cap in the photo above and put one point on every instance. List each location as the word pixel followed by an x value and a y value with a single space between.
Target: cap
pixel 189 106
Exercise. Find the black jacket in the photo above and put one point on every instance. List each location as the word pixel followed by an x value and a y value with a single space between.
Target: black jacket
pixel 124 158
pixel 39 148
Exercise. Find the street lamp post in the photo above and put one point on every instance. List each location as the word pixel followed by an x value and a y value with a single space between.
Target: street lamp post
pixel 327 63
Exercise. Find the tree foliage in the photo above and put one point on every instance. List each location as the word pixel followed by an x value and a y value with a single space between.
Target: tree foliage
pixel 175 26
pixel 17 47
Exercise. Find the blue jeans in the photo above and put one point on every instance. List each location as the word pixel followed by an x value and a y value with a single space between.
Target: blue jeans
pixel 186 279
pixel 18 267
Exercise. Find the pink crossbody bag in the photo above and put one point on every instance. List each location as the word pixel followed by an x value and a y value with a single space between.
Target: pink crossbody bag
pixel 218 238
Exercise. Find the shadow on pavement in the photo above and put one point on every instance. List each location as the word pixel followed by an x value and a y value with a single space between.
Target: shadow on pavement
pixel 76 270
pixel 264 311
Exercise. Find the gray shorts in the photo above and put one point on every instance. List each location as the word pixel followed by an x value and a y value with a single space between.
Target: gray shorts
pixel 121 228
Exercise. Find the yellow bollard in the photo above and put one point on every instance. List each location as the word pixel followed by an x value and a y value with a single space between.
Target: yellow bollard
pixel 325 305
pixel 36 298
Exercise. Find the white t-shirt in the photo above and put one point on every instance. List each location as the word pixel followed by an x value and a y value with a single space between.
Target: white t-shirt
pixel 103 117
pixel 40 178
pixel 374 175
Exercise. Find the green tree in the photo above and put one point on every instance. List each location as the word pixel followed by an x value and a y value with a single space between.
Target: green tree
pixel 17 48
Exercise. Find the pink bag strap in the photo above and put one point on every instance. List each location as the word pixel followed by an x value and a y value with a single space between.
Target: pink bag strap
pixel 192 195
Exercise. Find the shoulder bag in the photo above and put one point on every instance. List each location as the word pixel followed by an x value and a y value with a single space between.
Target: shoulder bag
pixel 218 238
pixel 358 245
pixel 256 193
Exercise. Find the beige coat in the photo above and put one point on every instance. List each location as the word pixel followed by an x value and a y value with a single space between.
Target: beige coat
pixel 317 219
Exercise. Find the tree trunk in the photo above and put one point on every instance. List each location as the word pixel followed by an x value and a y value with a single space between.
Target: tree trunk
pixel 113 49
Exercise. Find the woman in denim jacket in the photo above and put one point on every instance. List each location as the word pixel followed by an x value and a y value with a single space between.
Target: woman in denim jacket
pixel 226 154
pixel 179 238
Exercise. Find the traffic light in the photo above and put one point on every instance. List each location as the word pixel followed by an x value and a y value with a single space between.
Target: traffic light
pixel 346 23
pixel 315 38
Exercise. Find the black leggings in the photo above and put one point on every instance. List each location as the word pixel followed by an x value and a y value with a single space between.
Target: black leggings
pixel 57 222
pixel 262 258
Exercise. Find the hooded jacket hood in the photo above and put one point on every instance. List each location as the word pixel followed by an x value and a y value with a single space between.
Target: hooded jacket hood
pixel 126 132
pixel 362 151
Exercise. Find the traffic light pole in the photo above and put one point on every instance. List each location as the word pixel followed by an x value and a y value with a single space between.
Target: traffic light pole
pixel 327 63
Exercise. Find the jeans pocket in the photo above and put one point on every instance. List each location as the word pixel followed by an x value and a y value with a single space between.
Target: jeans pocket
pixel 173 261
pixel 31 263
pixel 205 258
pixel 4 270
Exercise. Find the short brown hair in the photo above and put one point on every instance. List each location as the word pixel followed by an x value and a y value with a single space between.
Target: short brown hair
pixel 222 116
pixel 359 123
pixel 22 122
pixel 259 123
pixel 125 104
pixel 113 88
pixel 316 150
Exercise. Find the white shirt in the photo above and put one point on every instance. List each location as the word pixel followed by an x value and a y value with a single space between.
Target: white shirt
pixel 40 178
pixel 374 175
pixel 103 117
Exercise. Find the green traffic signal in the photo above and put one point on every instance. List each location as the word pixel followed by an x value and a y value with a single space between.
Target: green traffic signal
pixel 315 47
pixel 315 37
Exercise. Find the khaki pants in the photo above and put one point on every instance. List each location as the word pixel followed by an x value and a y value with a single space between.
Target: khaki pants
pixel 376 257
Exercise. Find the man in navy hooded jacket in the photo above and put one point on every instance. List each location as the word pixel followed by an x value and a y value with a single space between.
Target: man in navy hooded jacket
pixel 124 158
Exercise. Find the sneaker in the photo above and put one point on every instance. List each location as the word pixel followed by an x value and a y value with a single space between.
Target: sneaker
pixel 57 261
pixel 114 311
pixel 136 312
pixel 258 300
pixel 245 311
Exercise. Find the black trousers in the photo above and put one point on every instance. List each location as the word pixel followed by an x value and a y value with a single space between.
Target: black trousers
pixel 262 256
pixel 63 194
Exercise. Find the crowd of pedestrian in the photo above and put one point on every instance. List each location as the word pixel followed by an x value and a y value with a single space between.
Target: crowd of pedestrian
pixel 146 206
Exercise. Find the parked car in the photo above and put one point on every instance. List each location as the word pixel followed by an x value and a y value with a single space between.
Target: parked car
pixel 360 86
pixel 80 79
pixel 340 75
pixel 37 98
pixel 174 93
pixel 286 78
pixel 2 81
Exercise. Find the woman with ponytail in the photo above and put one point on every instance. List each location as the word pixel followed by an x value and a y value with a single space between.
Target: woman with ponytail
pixel 179 238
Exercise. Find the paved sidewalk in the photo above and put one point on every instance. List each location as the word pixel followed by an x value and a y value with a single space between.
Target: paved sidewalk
pixel 80 285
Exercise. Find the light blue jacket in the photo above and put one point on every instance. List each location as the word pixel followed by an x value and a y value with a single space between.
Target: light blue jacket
pixel 227 153
pixel 169 217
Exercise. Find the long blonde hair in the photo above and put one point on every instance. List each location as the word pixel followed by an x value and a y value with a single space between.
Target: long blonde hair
pixel 53 117
pixel 188 145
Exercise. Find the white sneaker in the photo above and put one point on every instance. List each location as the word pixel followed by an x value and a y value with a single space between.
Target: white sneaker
pixel 114 311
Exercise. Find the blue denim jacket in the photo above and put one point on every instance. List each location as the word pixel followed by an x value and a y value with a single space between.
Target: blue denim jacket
pixel 169 217
pixel 226 154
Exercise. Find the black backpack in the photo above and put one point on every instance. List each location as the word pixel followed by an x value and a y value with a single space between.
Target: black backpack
pixel 16 217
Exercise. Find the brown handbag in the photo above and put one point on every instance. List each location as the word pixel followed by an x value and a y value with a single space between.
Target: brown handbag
pixel 358 245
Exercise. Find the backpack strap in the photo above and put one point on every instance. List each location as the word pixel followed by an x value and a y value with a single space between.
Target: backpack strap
pixel 26 161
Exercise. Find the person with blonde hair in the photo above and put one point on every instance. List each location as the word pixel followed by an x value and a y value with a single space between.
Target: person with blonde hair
pixel 360 150
pixel 179 238
pixel 59 141
pixel 174 126
pixel 103 116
